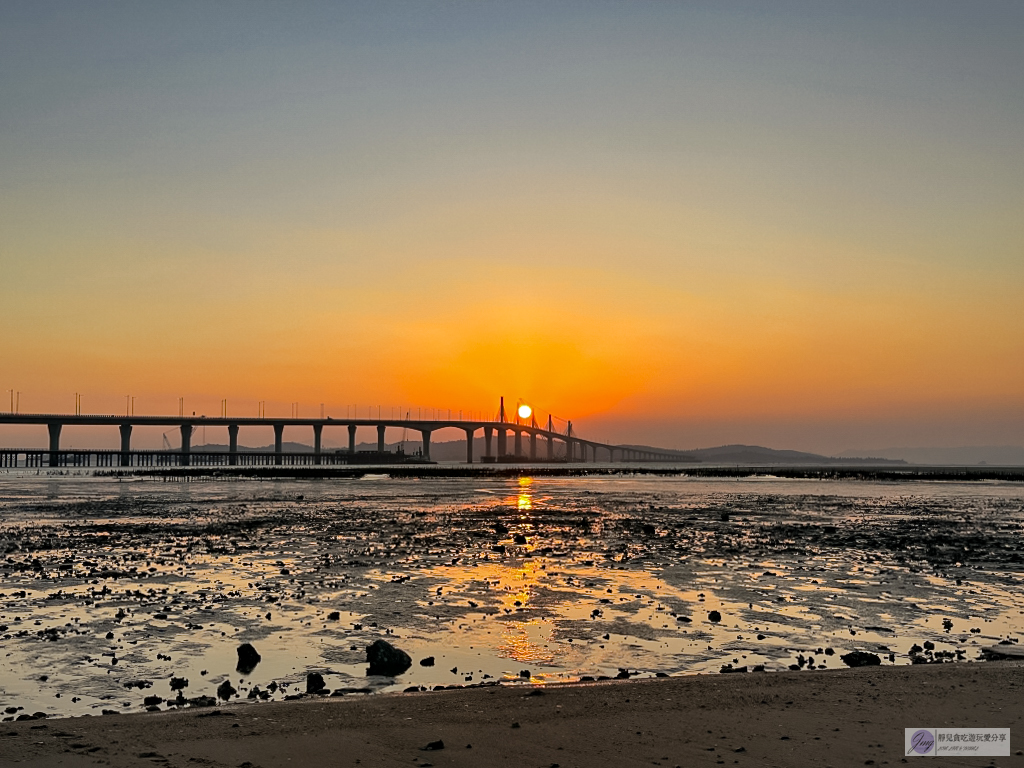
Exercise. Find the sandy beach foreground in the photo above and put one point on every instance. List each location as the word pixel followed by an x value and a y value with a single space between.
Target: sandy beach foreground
pixel 826 718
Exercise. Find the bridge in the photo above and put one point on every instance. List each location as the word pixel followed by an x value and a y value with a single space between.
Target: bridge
pixel 572 447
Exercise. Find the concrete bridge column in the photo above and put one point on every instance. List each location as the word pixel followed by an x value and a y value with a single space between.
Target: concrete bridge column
pixel 551 448
pixel 54 430
pixel 518 443
pixel 186 444
pixel 318 433
pixel 380 438
pixel 568 449
pixel 533 446
pixel 278 440
pixel 351 438
pixel 487 441
pixel 126 443
pixel 426 443
pixel 232 444
pixel 469 445
pixel 502 450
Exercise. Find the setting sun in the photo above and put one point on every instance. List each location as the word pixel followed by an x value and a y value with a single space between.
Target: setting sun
pixel 525 411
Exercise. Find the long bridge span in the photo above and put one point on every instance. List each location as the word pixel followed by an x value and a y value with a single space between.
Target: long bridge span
pixel 525 439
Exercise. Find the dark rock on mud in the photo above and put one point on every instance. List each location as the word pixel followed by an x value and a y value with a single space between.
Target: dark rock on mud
pixel 225 690
pixel 178 683
pixel 427 662
pixel 315 682
pixel 714 616
pixel 385 659
pixel 860 659
pixel 248 658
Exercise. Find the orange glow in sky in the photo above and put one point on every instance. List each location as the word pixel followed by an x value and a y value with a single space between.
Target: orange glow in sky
pixel 672 224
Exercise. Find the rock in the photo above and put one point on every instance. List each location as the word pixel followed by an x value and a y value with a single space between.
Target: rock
pixel 434 745
pixel 684 619
pixel 860 659
pixel 519 538
pixel 248 658
pixel 315 682
pixel 152 701
pixel 385 659
pixel 334 616
pixel 427 662
pixel 524 673
pixel 225 690
pixel 714 616
pixel 177 683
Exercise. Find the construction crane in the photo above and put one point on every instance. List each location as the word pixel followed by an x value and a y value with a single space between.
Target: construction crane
pixel 167 443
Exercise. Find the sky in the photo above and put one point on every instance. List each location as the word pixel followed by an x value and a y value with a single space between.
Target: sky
pixel 682 224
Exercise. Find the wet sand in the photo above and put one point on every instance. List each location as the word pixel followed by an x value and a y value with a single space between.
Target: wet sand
pixel 823 718
pixel 111 589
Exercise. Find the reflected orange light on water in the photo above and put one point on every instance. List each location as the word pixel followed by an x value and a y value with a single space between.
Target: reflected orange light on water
pixel 524 502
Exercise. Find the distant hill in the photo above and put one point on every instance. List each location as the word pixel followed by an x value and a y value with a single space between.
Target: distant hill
pixel 455 450
pixel 756 454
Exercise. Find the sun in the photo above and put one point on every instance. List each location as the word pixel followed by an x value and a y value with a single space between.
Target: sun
pixel 525 411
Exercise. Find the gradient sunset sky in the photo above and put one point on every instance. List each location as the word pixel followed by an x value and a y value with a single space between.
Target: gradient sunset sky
pixel 683 224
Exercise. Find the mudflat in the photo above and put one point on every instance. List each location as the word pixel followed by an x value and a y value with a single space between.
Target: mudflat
pixel 822 718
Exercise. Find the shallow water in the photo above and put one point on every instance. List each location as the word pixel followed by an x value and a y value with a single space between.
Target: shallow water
pixel 107 582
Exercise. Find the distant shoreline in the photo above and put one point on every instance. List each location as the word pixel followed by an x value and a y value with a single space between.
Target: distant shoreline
pixel 830 472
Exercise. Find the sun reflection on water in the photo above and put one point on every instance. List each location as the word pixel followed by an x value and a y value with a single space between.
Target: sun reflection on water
pixel 524 502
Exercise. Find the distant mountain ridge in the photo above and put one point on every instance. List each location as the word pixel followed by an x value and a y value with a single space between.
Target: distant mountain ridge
pixel 756 454
pixel 455 450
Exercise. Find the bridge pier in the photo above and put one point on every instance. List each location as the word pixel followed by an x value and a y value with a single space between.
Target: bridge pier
pixel 186 444
pixel 518 443
pixel 318 432
pixel 351 438
pixel 426 443
pixel 278 441
pixel 126 444
pixel 54 430
pixel 551 448
pixel 533 446
pixel 568 449
pixel 232 444
pixel 469 445
pixel 502 449
pixel 488 432
pixel 380 438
